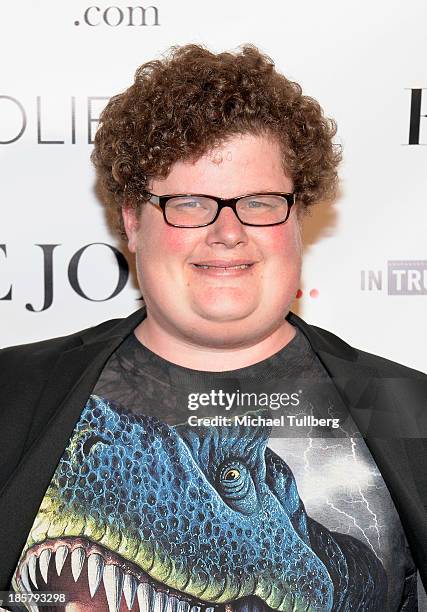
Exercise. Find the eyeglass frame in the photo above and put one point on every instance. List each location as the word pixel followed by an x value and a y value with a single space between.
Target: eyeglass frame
pixel 222 203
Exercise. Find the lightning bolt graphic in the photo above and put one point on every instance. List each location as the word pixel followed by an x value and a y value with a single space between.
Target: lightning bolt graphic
pixel 360 480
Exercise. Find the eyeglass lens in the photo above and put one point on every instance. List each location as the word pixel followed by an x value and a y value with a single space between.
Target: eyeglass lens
pixel 262 209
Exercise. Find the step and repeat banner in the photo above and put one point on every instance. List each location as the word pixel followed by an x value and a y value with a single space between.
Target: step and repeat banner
pixel 365 266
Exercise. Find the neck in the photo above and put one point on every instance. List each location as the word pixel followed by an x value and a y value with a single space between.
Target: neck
pixel 189 354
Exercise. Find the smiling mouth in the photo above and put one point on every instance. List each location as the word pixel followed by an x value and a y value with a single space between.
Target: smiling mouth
pixel 210 267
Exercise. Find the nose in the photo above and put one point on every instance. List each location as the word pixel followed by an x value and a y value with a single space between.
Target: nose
pixel 227 229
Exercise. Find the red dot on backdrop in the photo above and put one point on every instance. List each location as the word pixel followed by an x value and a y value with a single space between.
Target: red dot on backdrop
pixel 314 293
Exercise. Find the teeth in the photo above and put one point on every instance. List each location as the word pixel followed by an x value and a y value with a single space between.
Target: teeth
pixel 44 562
pixel 150 600
pixel 183 606
pixel 77 559
pixel 172 604
pixel 32 564
pixel 145 595
pixel 129 590
pixel 241 267
pixel 60 556
pixel 26 584
pixel 24 577
pixel 113 582
pixel 95 567
pixel 160 602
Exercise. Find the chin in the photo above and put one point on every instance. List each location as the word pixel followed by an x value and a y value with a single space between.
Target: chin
pixel 225 303
pixel 223 312
pixel 222 328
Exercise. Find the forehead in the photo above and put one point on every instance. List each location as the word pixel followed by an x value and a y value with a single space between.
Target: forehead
pixel 240 164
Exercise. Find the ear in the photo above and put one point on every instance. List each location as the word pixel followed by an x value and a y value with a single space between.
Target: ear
pixel 131 223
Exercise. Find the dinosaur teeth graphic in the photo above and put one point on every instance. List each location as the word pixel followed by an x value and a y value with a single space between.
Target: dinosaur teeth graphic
pixel 24 577
pixel 159 602
pixel 183 606
pixel 61 555
pixel 172 604
pixel 95 571
pixel 129 589
pixel 113 583
pixel 145 596
pixel 73 560
pixel 25 581
pixel 32 569
pixel 44 562
pixel 77 560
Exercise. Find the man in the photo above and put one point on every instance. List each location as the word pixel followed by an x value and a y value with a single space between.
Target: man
pixel 213 450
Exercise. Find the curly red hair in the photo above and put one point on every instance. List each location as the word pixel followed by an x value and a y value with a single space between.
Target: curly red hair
pixel 192 100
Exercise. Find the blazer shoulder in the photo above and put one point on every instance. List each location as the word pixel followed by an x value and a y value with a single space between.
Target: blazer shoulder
pixel 45 351
pixel 387 367
pixel 384 367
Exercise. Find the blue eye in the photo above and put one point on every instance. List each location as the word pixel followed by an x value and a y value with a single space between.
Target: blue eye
pixel 262 202
pixel 188 204
pixel 256 204
pixel 182 203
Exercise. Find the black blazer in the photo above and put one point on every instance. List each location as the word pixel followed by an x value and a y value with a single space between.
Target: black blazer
pixel 44 386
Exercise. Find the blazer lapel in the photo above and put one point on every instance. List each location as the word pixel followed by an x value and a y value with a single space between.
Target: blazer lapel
pixel 56 414
pixel 390 413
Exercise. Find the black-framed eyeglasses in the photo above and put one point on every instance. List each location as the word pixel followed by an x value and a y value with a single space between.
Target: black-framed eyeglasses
pixel 199 210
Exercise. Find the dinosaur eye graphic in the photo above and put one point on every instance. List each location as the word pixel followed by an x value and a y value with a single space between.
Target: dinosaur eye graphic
pixel 233 478
pixel 235 485
pixel 231 474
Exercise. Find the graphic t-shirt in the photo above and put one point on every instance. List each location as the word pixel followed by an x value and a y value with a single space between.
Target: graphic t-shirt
pixel 248 490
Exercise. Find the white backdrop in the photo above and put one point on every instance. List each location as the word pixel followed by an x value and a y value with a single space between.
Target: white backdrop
pixel 365 63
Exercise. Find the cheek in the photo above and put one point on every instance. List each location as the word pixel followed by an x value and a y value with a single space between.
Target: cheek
pixel 174 239
pixel 282 240
pixel 157 237
pixel 167 244
pixel 172 242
